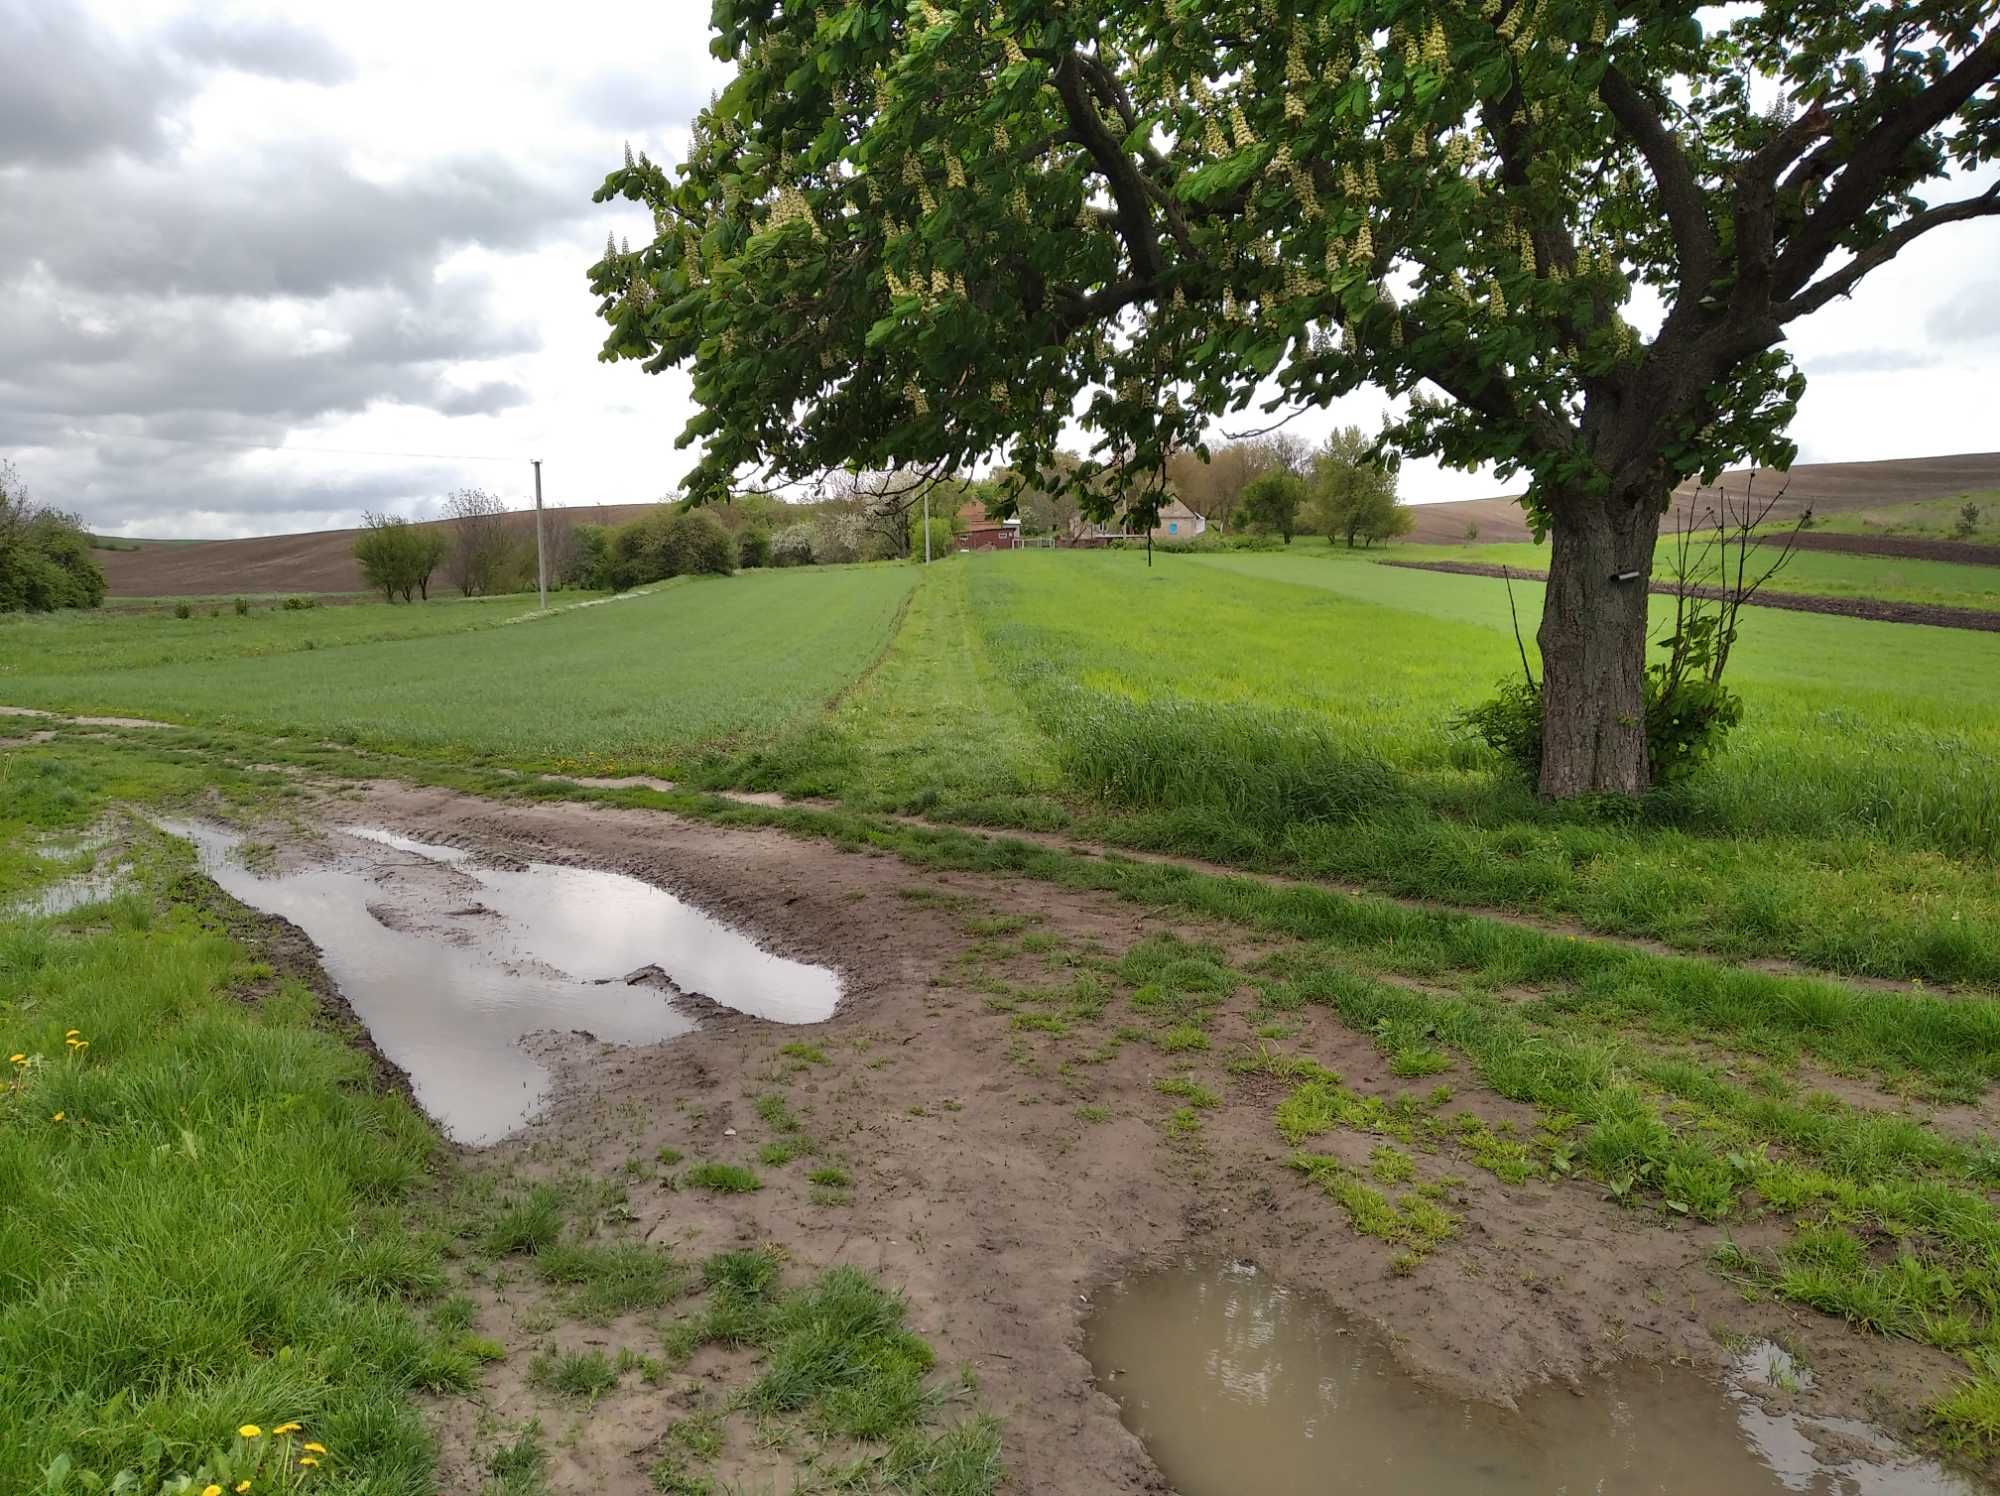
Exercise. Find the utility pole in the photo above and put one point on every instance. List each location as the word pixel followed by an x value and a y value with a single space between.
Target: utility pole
pixel 927 527
pixel 541 559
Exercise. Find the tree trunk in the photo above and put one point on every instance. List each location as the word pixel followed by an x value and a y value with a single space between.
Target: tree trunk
pixel 1593 641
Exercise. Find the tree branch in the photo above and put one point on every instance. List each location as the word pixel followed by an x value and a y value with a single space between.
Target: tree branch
pixel 1874 157
pixel 1843 280
pixel 1687 214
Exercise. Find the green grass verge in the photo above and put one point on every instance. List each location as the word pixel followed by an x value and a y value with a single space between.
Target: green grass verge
pixel 207 1197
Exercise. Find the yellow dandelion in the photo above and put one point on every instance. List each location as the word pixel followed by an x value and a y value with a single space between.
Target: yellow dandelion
pixel 249 1431
pixel 306 1459
pixel 211 1491
pixel 241 1487
pixel 287 1428
pixel 57 1117
pixel 71 1033
pixel 18 1059
pixel 314 1448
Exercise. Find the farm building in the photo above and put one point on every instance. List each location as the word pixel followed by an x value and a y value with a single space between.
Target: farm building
pixel 978 533
pixel 1177 522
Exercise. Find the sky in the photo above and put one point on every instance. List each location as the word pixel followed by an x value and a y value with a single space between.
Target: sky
pixel 265 267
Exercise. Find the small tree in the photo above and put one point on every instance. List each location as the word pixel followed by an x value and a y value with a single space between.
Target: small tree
pixel 755 548
pixel 590 558
pixel 1271 501
pixel 480 543
pixel 428 552
pixel 396 555
pixel 693 543
pixel 1354 494
pixel 793 546
pixel 1968 521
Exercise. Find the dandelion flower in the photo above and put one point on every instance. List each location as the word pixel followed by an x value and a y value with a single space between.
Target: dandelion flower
pixel 211 1491
pixel 249 1431
pixel 313 1448
pixel 241 1487
pixel 57 1117
pixel 306 1459
pixel 287 1428
pixel 18 1059
pixel 71 1033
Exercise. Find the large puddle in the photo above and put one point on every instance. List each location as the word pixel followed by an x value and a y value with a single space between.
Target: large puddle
pixel 451 963
pixel 1239 1387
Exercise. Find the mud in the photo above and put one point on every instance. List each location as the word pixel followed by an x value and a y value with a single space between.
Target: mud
pixel 1905 547
pixel 1875 609
pixel 983 1193
pixel 1236 1383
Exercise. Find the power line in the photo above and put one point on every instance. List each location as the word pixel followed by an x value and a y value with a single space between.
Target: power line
pixel 218 442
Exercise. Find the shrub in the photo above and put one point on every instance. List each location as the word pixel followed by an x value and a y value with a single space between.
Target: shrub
pixel 1686 725
pixel 754 549
pixel 1968 521
pixel 242 607
pixel 838 538
pixel 589 558
pixel 670 543
pixel 793 546
pixel 45 560
pixel 300 604
pixel 942 543
pixel 183 610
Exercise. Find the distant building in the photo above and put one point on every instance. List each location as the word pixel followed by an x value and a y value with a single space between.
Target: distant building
pixel 1176 522
pixel 978 533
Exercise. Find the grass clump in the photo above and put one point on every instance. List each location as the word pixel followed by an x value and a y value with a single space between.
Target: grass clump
pixel 519 1467
pixel 1188 1089
pixel 723 1179
pixel 839 1349
pixel 603 1281
pixel 832 1176
pixel 1415 1222
pixel 525 1224
pixel 576 1374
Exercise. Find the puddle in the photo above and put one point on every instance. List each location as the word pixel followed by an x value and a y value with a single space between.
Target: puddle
pixel 451 964
pixel 1240 1387
pixel 67 894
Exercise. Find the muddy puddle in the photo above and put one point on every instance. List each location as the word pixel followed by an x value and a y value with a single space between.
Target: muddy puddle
pixel 1239 1387
pixel 452 963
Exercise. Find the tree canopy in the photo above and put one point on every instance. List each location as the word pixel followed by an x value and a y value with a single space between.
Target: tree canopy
pixel 45 560
pixel 912 236
pixel 1354 492
pixel 1272 501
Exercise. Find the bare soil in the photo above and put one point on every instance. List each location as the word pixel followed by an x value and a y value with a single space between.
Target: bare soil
pixel 1876 609
pixel 1907 547
pixel 984 1194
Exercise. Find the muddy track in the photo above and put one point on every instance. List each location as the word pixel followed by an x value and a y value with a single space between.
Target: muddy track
pixel 1874 609
pixel 983 1194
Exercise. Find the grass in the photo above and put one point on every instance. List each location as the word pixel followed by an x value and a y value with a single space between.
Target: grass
pixel 573 1374
pixel 198 1183
pixel 632 686
pixel 1931 519
pixel 1812 573
pixel 723 1179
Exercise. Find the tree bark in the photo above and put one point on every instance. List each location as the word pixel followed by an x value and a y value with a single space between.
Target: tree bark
pixel 1593 642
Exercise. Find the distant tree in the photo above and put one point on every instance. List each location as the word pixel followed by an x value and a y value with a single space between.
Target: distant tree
pixel 670 542
pixel 793 546
pixel 754 549
pixel 480 546
pixel 589 559
pixel 429 548
pixel 45 560
pixel 837 537
pixel 1968 521
pixel 1353 494
pixel 1272 499
pixel 396 555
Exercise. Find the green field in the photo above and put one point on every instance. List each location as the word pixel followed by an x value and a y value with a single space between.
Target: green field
pixel 1812 573
pixel 628 684
pixel 1288 711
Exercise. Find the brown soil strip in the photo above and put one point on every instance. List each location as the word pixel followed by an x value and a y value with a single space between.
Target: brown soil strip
pixel 1872 608
pixel 1907 547
pixel 982 1194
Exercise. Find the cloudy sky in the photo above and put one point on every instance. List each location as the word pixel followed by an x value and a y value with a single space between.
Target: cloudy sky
pixel 264 267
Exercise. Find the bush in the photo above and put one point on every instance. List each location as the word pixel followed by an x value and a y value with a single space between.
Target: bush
pixel 242 607
pixel 45 560
pixel 300 604
pixel 670 543
pixel 754 549
pixel 183 610
pixel 838 538
pixel 589 558
pixel 942 543
pixel 1686 725
pixel 792 546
